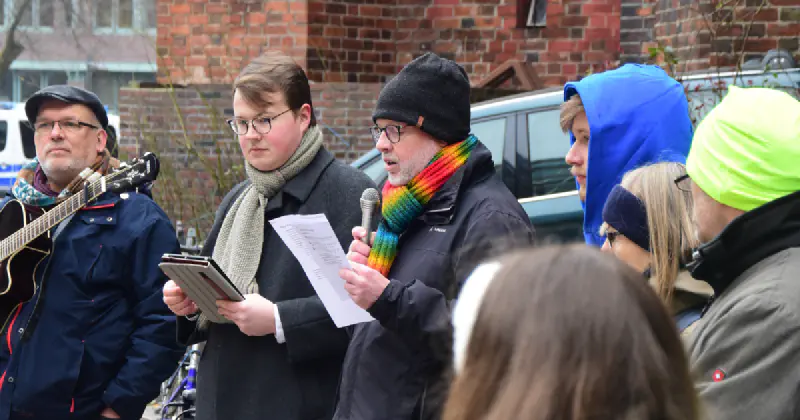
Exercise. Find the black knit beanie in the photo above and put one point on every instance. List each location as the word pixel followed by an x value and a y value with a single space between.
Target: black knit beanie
pixel 431 93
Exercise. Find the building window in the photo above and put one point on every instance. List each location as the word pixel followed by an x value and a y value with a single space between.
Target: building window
pixel 27 82
pixel 107 85
pixel 38 15
pixel 531 13
pixel 124 15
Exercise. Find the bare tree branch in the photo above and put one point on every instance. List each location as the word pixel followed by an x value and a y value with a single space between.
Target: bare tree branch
pixel 11 47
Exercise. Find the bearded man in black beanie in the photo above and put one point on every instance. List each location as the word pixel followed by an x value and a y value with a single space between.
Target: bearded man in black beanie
pixel 443 211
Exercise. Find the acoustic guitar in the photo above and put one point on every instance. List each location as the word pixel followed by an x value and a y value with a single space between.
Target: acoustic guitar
pixel 25 238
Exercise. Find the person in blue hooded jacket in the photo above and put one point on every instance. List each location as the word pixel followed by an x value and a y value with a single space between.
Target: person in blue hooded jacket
pixel 620 120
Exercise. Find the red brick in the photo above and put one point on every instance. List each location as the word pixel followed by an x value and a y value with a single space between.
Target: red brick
pixel 256 18
pixel 765 15
pixel 180 9
pixel 561 45
pixel 783 29
pixel 448 23
pixel 198 19
pixel 434 12
pixel 196 61
pixel 596 9
pixel 580 21
pixel 370 10
pixel 597 21
pixel 180 30
pixel 212 8
pixel 645 11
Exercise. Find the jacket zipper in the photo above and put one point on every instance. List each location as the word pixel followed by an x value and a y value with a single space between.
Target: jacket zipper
pixel 41 290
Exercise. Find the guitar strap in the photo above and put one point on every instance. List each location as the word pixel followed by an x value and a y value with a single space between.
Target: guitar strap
pixel 61 226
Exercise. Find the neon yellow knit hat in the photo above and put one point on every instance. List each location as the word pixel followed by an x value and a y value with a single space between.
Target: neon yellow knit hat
pixel 746 152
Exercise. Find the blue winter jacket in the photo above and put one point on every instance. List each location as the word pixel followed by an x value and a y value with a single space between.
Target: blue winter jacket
pixel 100 335
pixel 637 115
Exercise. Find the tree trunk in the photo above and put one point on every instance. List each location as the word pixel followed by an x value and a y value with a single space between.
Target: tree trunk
pixel 11 47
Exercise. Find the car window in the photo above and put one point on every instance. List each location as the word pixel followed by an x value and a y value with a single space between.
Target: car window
pixel 3 134
pixel 492 134
pixel 548 147
pixel 28 147
pixel 374 169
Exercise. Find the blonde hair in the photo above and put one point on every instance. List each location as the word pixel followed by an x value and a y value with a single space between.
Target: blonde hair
pixel 669 221
pixel 570 110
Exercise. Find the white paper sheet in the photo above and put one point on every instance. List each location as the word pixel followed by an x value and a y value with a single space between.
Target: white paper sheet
pixel 313 243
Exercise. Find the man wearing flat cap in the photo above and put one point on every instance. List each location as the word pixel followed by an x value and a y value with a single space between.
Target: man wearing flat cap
pixel 96 340
pixel 443 211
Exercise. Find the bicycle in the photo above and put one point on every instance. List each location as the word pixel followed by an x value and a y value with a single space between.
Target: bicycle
pixel 178 393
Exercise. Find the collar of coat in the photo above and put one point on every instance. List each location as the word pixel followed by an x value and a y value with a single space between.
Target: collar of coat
pixel 301 185
pixel 748 239
pixel 442 207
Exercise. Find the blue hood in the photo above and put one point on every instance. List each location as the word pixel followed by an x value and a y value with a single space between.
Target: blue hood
pixel 637 115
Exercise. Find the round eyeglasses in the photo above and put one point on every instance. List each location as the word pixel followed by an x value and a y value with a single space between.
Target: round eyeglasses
pixel 262 125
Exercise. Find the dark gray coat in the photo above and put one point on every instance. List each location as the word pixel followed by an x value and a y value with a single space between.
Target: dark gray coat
pixel 745 350
pixel 395 366
pixel 243 377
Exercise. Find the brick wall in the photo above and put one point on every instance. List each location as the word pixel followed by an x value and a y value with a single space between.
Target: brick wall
pixel 482 35
pixel 351 41
pixel 702 35
pixel 209 41
pixel 368 41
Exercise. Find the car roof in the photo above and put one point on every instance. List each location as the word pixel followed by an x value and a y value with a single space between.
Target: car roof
pixel 541 98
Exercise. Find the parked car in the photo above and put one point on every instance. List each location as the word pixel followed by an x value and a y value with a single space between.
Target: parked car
pixel 16 141
pixel 528 148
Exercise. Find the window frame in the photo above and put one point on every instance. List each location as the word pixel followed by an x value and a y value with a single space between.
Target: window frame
pixel 508 169
pixel 531 13
pixel 35 26
pixel 138 24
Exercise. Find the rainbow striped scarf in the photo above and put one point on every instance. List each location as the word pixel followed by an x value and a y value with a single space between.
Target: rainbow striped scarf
pixel 403 204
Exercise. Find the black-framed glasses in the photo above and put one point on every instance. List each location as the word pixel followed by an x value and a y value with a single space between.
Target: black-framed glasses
pixel 68 126
pixel 684 183
pixel 612 237
pixel 392 133
pixel 261 124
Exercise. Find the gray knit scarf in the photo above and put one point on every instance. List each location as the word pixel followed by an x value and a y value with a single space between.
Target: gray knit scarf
pixel 238 248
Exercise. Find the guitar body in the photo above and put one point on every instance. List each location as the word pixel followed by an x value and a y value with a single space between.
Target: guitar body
pixel 17 283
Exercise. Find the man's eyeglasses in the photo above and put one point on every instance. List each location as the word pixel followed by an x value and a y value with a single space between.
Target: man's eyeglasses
pixel 392 133
pixel 68 126
pixel 684 183
pixel 262 125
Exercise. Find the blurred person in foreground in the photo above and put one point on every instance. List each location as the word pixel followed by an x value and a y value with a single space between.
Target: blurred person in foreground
pixel 566 332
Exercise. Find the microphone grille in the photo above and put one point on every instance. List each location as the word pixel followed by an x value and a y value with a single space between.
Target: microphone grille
pixel 371 194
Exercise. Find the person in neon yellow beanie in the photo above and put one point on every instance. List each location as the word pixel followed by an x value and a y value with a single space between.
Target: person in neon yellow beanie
pixel 744 176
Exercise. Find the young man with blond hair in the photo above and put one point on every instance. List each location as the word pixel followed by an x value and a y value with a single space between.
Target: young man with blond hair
pixel 619 120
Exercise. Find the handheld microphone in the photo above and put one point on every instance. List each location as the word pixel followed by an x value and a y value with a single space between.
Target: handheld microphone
pixel 370 199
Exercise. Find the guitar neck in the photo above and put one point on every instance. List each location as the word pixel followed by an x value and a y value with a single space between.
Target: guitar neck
pixel 48 220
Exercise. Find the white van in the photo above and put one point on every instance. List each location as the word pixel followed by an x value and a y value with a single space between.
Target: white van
pixel 16 142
